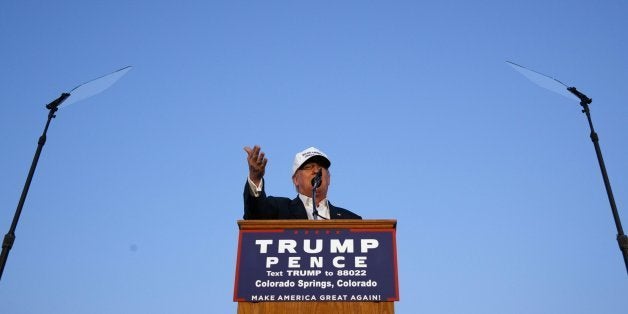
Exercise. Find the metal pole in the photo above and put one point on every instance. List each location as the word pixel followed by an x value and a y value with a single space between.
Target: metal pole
pixel 622 239
pixel 9 238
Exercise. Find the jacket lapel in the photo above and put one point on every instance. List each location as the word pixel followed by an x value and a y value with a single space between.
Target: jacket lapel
pixel 297 209
pixel 333 212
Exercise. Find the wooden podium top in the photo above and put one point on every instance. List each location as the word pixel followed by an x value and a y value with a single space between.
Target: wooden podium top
pixel 318 224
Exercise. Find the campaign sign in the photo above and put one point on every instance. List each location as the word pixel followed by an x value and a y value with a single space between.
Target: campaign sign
pixel 316 265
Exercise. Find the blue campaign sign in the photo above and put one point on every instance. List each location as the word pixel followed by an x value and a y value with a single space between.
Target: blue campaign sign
pixel 316 265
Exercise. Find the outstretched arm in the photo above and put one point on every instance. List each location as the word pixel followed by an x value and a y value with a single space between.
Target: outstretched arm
pixel 255 206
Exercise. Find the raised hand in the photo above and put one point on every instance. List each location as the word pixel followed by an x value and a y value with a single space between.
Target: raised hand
pixel 257 163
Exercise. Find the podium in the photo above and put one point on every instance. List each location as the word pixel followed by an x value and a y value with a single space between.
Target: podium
pixel 316 266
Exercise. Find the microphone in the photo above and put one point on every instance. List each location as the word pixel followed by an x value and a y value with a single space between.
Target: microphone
pixel 316 181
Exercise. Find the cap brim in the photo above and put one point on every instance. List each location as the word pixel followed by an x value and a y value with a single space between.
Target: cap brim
pixel 321 160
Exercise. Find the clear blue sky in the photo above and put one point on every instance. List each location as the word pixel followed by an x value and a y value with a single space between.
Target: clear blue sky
pixel 494 180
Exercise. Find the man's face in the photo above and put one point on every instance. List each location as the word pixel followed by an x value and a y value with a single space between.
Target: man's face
pixel 302 179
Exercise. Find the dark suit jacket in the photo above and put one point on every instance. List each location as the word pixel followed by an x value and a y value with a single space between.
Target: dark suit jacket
pixel 271 207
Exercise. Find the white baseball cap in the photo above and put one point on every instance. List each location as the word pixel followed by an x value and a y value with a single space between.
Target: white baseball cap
pixel 301 157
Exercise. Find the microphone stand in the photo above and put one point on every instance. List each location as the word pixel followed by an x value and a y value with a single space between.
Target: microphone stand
pixel 622 239
pixel 9 238
pixel 314 210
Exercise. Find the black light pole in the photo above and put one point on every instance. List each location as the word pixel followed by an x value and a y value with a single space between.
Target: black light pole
pixel 559 87
pixel 9 238
pixel 80 92
pixel 622 239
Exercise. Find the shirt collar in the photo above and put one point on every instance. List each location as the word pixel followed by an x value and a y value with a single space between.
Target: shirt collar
pixel 322 207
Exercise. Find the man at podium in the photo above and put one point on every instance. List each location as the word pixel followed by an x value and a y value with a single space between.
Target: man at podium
pixel 310 168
